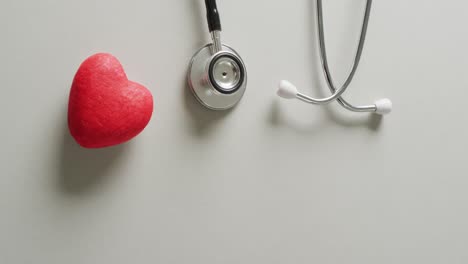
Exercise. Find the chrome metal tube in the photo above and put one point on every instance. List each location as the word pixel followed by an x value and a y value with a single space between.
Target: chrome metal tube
pixel 217 44
pixel 357 58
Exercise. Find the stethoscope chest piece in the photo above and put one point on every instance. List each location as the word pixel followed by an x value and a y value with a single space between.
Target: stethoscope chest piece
pixel 218 81
pixel 217 75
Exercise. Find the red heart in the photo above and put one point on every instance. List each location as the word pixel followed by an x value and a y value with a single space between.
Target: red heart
pixel 105 108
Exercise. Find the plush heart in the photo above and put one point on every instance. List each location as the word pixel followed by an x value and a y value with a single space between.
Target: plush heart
pixel 105 108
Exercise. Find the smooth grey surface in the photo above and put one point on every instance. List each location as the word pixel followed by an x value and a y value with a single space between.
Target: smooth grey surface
pixel 202 187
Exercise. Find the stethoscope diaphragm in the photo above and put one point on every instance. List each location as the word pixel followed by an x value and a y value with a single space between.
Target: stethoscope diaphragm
pixel 226 72
pixel 218 82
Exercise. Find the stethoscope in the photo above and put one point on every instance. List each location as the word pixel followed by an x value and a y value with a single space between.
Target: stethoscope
pixel 217 75
pixel 289 91
pixel 218 78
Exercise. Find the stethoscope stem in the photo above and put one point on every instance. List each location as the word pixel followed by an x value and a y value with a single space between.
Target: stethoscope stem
pixel 214 25
pixel 217 44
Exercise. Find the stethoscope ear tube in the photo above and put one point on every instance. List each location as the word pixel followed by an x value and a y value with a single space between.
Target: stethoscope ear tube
pixel 212 14
pixel 289 91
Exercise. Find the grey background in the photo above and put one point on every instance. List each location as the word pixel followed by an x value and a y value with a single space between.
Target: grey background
pixel 268 182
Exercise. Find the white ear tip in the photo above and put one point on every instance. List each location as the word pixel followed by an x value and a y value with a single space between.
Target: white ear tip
pixel 287 90
pixel 384 106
